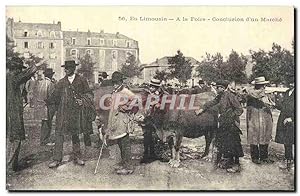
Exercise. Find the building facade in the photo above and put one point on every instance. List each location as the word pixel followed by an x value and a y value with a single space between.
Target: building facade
pixel 108 51
pixel 42 40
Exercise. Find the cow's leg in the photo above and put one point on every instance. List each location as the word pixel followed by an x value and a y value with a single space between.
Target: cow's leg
pixel 173 152
pixel 208 139
pixel 176 162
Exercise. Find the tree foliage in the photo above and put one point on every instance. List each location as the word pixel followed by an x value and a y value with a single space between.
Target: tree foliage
pixel 214 68
pixel 235 68
pixel 277 65
pixel 210 68
pixel 162 75
pixel 180 67
pixel 130 68
pixel 86 68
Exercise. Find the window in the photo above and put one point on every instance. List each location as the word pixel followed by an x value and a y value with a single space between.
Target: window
pixel 101 42
pixel 89 41
pixel 52 56
pixel 114 54
pixel 89 51
pixel 128 54
pixel 39 34
pixel 51 45
pixel 52 65
pixel 26 45
pixel 73 41
pixel 26 55
pixel 74 52
pixel 114 42
pixel 52 34
pixel 40 45
pixel 128 44
pixel 25 34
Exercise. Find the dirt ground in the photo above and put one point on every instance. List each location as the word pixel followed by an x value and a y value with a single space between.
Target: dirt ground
pixel 193 174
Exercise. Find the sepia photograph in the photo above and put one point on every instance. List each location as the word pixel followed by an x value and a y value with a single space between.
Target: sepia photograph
pixel 150 98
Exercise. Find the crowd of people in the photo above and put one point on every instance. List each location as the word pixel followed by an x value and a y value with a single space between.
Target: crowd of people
pixel 71 100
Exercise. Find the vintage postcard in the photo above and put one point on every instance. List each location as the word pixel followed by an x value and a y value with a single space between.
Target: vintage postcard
pixel 150 98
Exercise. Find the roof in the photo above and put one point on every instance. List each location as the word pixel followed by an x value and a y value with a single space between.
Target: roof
pixel 94 34
pixel 35 26
pixel 163 62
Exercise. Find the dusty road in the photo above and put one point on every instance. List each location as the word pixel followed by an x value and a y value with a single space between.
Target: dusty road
pixel 193 174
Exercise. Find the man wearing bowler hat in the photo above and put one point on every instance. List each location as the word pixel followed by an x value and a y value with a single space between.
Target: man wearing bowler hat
pixel 73 99
pixel 49 74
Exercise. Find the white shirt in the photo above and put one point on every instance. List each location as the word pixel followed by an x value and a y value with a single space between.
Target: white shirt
pixel 71 78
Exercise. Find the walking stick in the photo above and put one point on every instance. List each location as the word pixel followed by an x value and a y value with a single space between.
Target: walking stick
pixel 103 143
pixel 99 158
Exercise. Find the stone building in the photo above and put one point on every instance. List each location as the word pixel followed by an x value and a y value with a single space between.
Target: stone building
pixel 48 41
pixel 108 51
pixel 40 39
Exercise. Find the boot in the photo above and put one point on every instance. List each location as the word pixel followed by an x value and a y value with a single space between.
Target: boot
pixel 125 170
pixel 234 169
pixel 54 164
pixel 78 161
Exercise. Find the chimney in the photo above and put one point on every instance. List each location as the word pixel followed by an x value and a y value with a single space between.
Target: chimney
pixel 101 32
pixel 117 34
pixel 59 24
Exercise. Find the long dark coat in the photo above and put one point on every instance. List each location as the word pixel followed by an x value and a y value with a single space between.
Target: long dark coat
pixel 259 117
pixel 14 103
pixel 285 133
pixel 228 135
pixel 71 118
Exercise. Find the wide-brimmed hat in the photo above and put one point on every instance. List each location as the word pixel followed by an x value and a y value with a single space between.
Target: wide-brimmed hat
pixel 117 76
pixel 70 63
pixel 16 63
pixel 155 82
pixel 260 80
pixel 49 72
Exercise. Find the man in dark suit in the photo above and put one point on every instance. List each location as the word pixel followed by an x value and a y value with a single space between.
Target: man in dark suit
pixel 17 75
pixel 228 141
pixel 286 126
pixel 75 111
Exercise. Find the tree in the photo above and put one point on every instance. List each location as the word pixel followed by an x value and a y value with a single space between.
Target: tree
pixel 180 67
pixel 130 68
pixel 161 75
pixel 277 65
pixel 210 68
pixel 86 68
pixel 234 69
